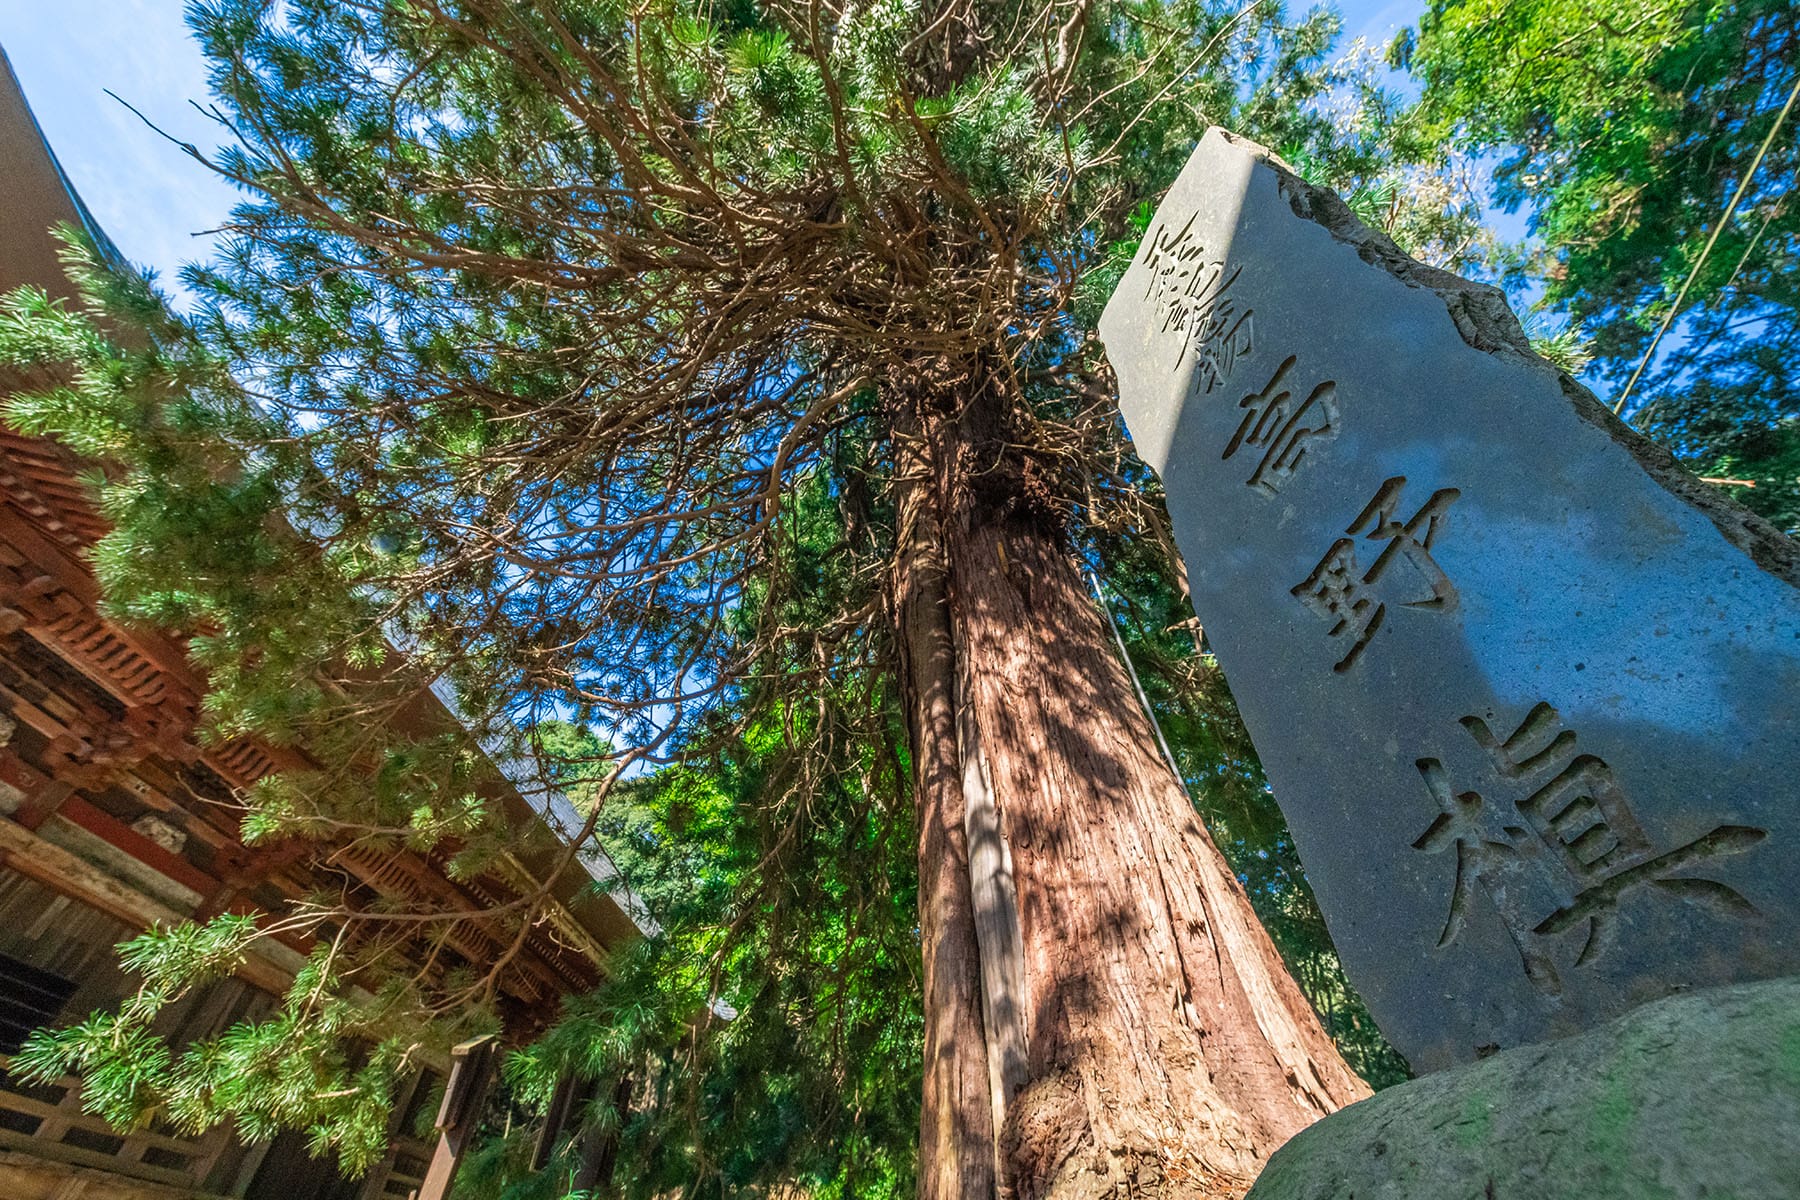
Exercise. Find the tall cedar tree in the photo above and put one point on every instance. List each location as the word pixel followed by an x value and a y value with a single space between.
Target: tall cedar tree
pixel 541 321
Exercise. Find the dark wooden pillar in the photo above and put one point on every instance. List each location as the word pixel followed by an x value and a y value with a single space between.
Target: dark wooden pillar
pixel 471 1075
pixel 600 1149
pixel 568 1091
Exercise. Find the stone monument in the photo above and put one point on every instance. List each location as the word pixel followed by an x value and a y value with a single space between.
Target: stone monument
pixel 1526 692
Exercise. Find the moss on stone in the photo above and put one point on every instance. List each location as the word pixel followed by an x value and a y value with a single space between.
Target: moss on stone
pixel 1694 1096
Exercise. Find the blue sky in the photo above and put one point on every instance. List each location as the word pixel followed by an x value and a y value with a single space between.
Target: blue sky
pixel 145 193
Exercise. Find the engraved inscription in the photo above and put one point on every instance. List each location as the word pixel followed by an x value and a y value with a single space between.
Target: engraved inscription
pixel 1354 600
pixel 1191 295
pixel 1559 847
pixel 1282 428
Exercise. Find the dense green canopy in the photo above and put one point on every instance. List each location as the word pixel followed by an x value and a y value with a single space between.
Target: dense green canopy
pixel 1626 128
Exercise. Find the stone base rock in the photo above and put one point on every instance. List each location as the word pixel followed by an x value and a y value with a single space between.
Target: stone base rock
pixel 1692 1096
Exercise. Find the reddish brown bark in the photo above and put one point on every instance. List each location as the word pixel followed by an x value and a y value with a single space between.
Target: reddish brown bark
pixel 1166 1041
pixel 1169 1052
pixel 956 1129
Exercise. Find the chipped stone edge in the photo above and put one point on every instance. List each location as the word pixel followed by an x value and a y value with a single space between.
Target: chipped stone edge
pixel 1486 322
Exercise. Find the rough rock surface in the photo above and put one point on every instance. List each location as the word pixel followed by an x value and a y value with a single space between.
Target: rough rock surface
pixel 1692 1096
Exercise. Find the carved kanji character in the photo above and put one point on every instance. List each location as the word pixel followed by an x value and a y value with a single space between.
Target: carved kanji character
pixel 1337 591
pixel 1575 828
pixel 1190 295
pixel 1281 428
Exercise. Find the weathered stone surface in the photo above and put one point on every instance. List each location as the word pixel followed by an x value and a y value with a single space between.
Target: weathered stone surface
pixel 1687 1097
pixel 1526 692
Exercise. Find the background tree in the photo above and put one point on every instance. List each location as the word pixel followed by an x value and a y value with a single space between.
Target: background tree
pixel 1626 128
pixel 772 1025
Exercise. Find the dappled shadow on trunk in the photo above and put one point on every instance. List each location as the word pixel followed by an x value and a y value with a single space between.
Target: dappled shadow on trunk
pixel 956 1131
pixel 1169 1051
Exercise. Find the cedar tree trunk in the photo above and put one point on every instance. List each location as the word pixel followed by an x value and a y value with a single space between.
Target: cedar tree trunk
pixel 957 1154
pixel 1168 1051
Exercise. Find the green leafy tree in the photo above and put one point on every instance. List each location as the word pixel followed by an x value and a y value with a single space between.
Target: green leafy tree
pixel 1627 128
pixel 771 1024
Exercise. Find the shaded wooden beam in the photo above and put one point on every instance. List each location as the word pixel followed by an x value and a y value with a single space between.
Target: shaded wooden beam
pixel 568 1089
pixel 600 1150
pixel 69 875
pixel 465 1096
pixel 248 871
pixel 129 841
pixel 34 794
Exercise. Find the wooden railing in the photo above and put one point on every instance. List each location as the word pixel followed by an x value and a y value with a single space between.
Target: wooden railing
pixel 398 1175
pixel 45 1120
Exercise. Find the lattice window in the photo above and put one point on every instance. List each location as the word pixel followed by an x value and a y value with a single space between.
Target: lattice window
pixel 29 998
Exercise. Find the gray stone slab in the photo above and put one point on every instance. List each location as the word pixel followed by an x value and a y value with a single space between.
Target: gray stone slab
pixel 1525 691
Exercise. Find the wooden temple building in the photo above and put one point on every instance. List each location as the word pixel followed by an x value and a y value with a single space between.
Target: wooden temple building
pixel 113 818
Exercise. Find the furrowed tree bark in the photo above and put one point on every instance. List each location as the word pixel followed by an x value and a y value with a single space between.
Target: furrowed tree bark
pixel 957 1151
pixel 1168 1050
pixel 995 903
